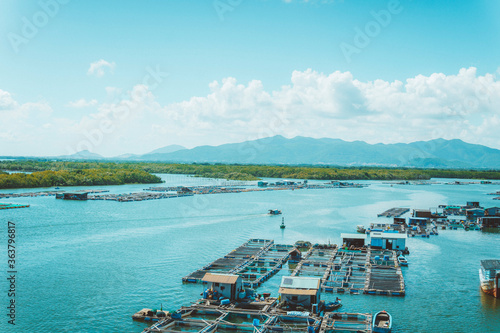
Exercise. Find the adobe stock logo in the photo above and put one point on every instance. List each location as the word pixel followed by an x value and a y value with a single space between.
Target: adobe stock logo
pixel 223 6
pixel 372 29
pixel 31 26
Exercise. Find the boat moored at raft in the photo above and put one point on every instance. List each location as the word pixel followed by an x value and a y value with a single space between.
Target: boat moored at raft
pixel 402 261
pixel 150 315
pixel 382 322
pixel 333 305
pixel 361 229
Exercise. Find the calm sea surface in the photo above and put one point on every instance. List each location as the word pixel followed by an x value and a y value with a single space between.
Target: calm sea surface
pixel 88 266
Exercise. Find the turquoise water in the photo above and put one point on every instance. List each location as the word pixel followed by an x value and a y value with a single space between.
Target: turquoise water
pixel 88 266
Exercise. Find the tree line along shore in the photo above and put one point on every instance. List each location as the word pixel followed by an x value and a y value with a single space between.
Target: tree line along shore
pixel 73 173
pixel 79 177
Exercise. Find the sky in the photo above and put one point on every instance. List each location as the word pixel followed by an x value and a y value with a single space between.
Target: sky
pixel 120 76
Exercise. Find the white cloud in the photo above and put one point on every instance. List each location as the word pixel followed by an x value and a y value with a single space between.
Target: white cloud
pixel 6 101
pixel 337 105
pixel 100 67
pixel 313 104
pixel 20 125
pixel 82 103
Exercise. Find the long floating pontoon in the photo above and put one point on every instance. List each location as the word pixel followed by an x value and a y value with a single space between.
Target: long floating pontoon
pixel 12 206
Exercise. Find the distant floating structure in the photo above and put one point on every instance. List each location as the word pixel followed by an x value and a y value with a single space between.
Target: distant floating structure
pixel 12 206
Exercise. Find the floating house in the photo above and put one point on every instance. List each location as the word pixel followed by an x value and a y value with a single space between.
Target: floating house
pixel 72 196
pixel 388 241
pixel 356 240
pixel 295 256
pixel 493 211
pixel 474 213
pixel 490 221
pixel 300 291
pixel 418 221
pixel 451 210
pixel 422 213
pixel 489 275
pixel 399 220
pixel 225 285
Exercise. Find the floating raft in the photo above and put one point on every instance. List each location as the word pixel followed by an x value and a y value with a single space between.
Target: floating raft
pixel 394 212
pixel 29 194
pixel 255 261
pixel 368 271
pixel 384 275
pixel 199 318
pixel 353 271
pixel 263 317
pixel 346 322
pixel 12 206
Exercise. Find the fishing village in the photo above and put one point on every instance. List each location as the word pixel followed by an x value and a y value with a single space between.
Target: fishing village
pixel 230 302
pixel 370 262
pixel 313 279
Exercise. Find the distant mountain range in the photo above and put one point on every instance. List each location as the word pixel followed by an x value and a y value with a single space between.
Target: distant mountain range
pixel 437 153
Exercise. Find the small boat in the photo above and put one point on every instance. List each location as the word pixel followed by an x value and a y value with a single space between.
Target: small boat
pixel 333 305
pixel 361 229
pixel 274 212
pixel 402 261
pixel 150 315
pixel 283 226
pixel 382 322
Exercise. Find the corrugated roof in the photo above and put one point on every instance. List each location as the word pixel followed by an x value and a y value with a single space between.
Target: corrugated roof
pixel 490 264
pixel 388 235
pixel 289 291
pixel 299 282
pixel 220 278
pixel 353 236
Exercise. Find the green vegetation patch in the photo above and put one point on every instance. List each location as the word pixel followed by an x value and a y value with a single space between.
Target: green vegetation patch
pixel 110 173
pixel 87 177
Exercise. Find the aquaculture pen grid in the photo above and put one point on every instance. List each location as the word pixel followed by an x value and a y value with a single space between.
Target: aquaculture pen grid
pixel 255 261
pixel 368 271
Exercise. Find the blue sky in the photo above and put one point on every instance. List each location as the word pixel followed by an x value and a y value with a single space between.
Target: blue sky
pixel 379 71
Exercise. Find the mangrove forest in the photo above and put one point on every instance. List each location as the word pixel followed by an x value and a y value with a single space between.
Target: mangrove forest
pixel 76 173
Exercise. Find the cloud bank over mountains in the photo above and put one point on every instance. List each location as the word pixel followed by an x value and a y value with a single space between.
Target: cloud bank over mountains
pixel 312 104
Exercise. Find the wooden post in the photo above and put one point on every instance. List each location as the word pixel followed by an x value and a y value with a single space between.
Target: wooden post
pixel 496 290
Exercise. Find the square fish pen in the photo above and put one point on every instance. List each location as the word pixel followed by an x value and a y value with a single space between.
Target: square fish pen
pixel 300 322
pixel 316 262
pixel 346 323
pixel 384 275
pixel 234 262
pixel 267 264
pixel 348 272
pixel 210 320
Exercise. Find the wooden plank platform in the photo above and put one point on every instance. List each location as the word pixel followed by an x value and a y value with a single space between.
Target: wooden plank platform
pixel 394 212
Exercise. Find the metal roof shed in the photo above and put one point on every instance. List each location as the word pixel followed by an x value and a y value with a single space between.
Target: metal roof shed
pixel 226 285
pixel 300 291
pixel 357 240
